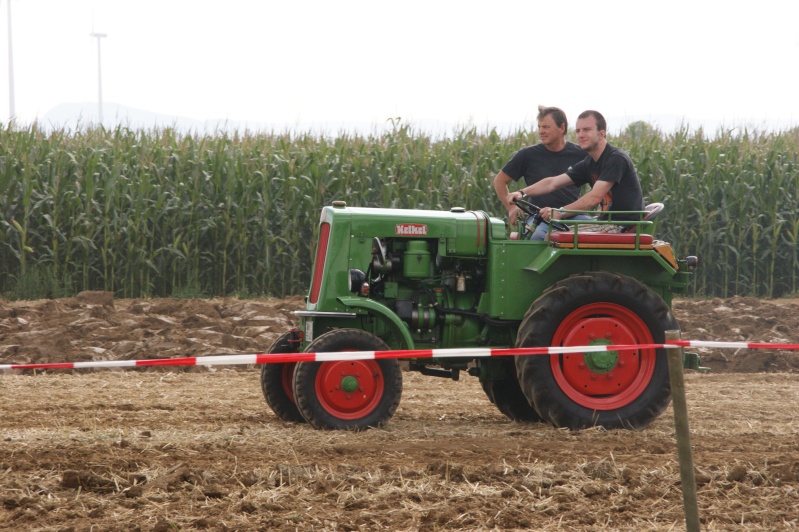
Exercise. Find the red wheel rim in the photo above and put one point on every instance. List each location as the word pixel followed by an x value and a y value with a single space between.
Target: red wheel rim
pixel 351 389
pixel 603 381
pixel 286 380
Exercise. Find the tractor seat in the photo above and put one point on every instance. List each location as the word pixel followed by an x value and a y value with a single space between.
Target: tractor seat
pixel 565 239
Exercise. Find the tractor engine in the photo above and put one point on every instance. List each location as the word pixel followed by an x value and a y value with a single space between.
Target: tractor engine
pixel 436 296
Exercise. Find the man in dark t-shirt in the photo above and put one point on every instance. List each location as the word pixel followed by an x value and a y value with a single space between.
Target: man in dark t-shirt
pixel 616 167
pixel 552 156
pixel 610 172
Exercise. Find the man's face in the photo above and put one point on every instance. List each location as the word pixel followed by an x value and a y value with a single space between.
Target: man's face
pixel 549 133
pixel 588 136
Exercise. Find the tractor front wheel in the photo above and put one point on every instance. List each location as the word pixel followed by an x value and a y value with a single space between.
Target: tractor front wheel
pixel 277 380
pixel 351 394
pixel 611 389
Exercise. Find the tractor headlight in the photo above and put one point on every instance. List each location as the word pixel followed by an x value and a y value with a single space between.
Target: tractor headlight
pixel 356 281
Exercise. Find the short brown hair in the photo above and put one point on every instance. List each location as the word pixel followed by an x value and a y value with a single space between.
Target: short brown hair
pixel 557 115
pixel 601 124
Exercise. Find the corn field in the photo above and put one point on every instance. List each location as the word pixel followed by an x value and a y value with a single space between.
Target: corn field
pixel 159 213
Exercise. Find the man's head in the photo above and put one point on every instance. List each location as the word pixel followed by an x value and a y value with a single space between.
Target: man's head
pixel 552 126
pixel 591 130
pixel 602 125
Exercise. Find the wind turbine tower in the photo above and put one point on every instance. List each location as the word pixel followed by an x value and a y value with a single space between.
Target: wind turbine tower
pixel 99 75
pixel 11 104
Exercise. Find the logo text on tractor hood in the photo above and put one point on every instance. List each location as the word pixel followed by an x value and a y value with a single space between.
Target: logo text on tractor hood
pixel 411 229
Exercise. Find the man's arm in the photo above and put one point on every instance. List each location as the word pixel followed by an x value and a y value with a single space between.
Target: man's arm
pixel 545 186
pixel 587 202
pixel 501 182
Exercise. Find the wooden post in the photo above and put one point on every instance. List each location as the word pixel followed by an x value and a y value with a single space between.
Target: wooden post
pixel 680 406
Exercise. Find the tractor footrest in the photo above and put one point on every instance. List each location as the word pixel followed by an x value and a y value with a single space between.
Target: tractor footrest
pixel 453 374
pixel 566 239
pixel 691 361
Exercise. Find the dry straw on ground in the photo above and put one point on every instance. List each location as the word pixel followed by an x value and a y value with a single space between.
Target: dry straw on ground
pixel 167 450
pixel 125 450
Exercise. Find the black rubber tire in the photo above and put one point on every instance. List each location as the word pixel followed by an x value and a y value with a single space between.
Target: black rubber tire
pixel 324 406
pixel 507 396
pixel 276 377
pixel 589 302
pixel 489 390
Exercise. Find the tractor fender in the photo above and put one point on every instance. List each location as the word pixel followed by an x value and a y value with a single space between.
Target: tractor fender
pixel 547 258
pixel 382 311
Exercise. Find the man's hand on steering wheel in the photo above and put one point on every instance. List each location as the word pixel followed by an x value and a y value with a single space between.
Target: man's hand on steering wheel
pixel 548 214
pixel 513 196
pixel 537 212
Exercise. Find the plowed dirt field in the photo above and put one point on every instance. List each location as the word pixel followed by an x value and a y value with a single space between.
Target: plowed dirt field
pixel 192 449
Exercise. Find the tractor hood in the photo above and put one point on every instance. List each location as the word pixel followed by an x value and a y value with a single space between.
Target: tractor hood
pixel 469 228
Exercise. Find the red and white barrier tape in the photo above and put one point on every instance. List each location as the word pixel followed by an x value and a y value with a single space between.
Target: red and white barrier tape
pixel 732 345
pixel 275 358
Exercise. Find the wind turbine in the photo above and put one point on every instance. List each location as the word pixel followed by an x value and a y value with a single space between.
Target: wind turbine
pixel 99 74
pixel 11 110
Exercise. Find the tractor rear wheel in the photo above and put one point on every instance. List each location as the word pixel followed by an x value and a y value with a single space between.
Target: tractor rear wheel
pixel 277 381
pixel 352 394
pixel 507 395
pixel 611 389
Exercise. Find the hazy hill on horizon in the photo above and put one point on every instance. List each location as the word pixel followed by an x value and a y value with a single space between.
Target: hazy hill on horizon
pixel 74 115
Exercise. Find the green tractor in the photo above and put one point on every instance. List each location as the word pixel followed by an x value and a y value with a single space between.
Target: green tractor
pixel 391 279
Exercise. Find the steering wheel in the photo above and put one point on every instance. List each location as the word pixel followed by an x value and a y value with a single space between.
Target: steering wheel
pixel 533 210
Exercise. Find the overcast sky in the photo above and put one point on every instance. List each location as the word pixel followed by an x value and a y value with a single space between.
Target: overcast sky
pixel 306 62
